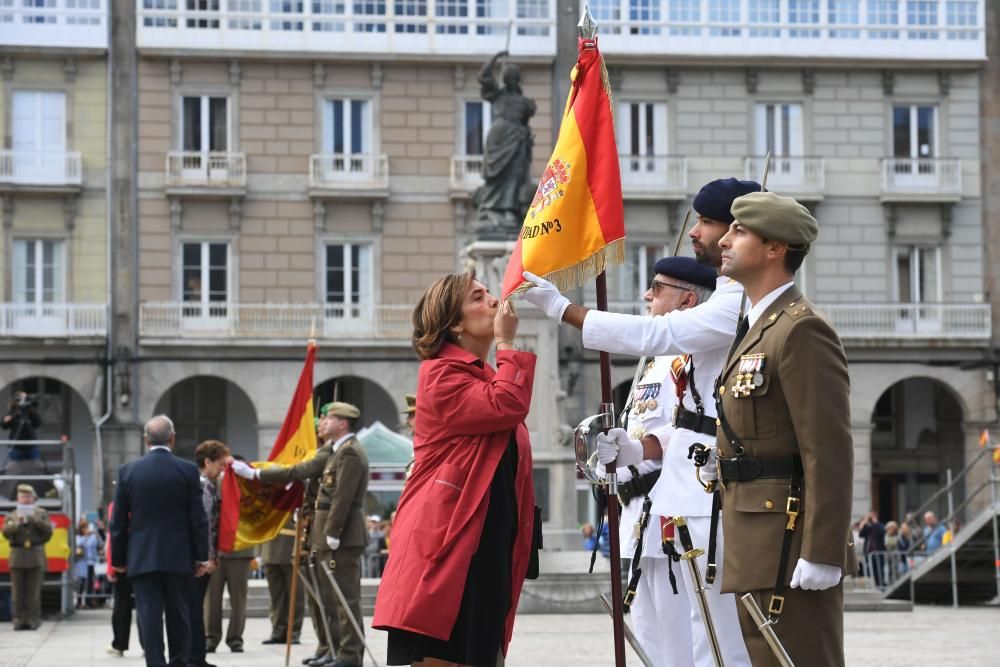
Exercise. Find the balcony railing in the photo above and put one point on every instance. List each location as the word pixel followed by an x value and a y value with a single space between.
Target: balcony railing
pixel 923 178
pixel 41 168
pixel 466 172
pixel 53 320
pixel 206 170
pixel 793 176
pixel 227 321
pixel 55 23
pixel 422 27
pixel 653 176
pixel 910 321
pixel 795 28
pixel 349 172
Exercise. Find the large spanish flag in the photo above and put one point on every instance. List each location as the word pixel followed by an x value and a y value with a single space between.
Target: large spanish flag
pixel 253 512
pixel 575 225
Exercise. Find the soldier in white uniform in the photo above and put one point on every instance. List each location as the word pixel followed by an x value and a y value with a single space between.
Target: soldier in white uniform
pixel 705 332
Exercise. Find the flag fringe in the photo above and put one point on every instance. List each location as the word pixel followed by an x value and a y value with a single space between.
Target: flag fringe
pixel 572 277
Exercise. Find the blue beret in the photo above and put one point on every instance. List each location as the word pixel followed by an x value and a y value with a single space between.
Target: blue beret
pixel 716 198
pixel 686 269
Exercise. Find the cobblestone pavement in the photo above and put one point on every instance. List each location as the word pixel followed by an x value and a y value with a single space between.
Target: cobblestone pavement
pixel 928 635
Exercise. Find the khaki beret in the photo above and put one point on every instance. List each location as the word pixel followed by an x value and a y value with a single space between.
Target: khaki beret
pixel 26 488
pixel 776 218
pixel 411 405
pixel 339 409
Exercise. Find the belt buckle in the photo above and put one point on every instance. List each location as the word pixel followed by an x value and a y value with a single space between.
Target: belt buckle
pixel 777 605
pixel 792 510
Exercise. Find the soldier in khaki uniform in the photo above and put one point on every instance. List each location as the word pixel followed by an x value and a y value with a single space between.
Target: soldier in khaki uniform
pixel 338 534
pixel 277 556
pixel 27 528
pixel 784 443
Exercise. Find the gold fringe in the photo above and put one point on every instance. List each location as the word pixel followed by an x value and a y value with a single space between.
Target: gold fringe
pixel 606 84
pixel 572 277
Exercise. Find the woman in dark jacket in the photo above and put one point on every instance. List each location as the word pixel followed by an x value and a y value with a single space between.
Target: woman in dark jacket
pixel 463 534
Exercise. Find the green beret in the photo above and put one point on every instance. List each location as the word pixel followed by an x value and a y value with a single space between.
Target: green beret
pixel 339 409
pixel 776 218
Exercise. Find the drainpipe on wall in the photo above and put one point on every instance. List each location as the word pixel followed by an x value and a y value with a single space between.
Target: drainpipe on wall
pixel 108 246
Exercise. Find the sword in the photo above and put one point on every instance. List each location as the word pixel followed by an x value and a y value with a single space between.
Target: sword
pixel 312 587
pixel 680 232
pixel 629 635
pixel 689 555
pixel 328 569
pixel 766 628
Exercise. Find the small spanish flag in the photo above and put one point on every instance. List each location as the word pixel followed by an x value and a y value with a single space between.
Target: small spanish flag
pixel 252 512
pixel 575 225
pixel 984 438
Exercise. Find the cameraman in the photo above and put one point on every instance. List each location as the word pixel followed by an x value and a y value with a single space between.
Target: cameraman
pixel 21 421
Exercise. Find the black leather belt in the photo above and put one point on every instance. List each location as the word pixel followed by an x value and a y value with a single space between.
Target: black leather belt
pixel 748 468
pixel 637 487
pixel 692 421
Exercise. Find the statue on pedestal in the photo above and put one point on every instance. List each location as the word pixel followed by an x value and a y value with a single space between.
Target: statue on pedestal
pixel 503 199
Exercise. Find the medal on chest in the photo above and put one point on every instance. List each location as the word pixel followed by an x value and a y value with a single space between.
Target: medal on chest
pixel 749 375
pixel 644 397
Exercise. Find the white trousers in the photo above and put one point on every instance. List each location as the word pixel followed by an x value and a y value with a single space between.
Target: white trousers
pixel 670 627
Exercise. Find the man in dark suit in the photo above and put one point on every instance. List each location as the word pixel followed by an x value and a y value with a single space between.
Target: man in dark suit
pixel 159 538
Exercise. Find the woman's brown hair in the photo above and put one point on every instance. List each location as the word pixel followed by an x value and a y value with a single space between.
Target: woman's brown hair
pixel 439 309
pixel 209 450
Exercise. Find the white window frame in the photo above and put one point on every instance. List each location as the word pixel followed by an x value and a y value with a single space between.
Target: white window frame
pixel 205 314
pixel 487 123
pixel 37 158
pixel 197 163
pixel 39 317
pixel 790 171
pixel 914 174
pixel 344 317
pixel 348 165
pixel 915 252
pixel 627 290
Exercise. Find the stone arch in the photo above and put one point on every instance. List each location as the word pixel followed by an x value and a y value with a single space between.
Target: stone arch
pixel 63 411
pixel 373 400
pixel 206 407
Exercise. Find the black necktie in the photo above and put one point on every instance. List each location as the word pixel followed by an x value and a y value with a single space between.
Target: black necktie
pixel 741 332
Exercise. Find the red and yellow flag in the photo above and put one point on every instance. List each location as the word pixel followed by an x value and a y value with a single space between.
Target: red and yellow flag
pixel 253 512
pixel 576 222
pixel 56 549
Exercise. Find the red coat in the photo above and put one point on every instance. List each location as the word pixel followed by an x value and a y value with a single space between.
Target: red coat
pixel 466 413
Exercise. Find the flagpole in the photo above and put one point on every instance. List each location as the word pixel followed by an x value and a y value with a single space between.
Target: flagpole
pixel 296 556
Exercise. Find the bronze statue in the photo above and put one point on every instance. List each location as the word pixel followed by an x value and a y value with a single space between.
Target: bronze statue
pixel 503 199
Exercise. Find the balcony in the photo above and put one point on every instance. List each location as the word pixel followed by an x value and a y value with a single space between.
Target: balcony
pixel 929 31
pixel 647 177
pixel 943 324
pixel 253 322
pixel 921 179
pixel 53 320
pixel 425 28
pixel 349 176
pixel 803 178
pixel 206 174
pixel 70 24
pixel 466 175
pixel 45 171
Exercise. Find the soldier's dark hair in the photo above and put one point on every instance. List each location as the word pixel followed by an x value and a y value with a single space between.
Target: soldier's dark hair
pixel 209 450
pixel 439 309
pixel 794 258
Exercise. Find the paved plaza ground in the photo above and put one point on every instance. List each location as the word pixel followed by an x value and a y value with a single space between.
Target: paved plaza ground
pixel 926 636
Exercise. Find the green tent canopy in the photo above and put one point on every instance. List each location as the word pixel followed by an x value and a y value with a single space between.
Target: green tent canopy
pixel 385 448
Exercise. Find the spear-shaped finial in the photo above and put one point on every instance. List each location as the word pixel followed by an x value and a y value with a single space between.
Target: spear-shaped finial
pixel 587 27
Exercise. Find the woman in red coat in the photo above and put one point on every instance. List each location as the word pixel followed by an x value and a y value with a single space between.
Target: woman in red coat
pixel 464 529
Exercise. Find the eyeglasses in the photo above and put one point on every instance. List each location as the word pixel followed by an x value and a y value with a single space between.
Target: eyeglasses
pixel 655 285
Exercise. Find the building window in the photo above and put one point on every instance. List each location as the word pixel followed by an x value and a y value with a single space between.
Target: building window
pixel 844 12
pixel 918 274
pixel 452 9
pixel 159 7
pixel 204 278
pixel 287 15
pixel 39 273
pixel 374 8
pixel 39 135
pixel 533 10
pixel 204 124
pixel 418 8
pixel 348 280
pixel 203 14
pixel 347 132
pixel 42 5
pixel 633 277
pixel 247 14
pixel 778 129
pixel 765 11
pixel 642 132
pixel 685 11
pixel 803 12
pixel 328 8
pixel 883 13
pixel 961 14
pixel 643 11
pixel 608 11
pixel 922 13
pixel 477 121
pixel 91 12
pixel 914 131
pixel 724 11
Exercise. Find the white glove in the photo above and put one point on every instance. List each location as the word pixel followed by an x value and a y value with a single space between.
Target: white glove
pixel 616 443
pixel 710 471
pixel 546 296
pixel 815 576
pixel 333 543
pixel 245 470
